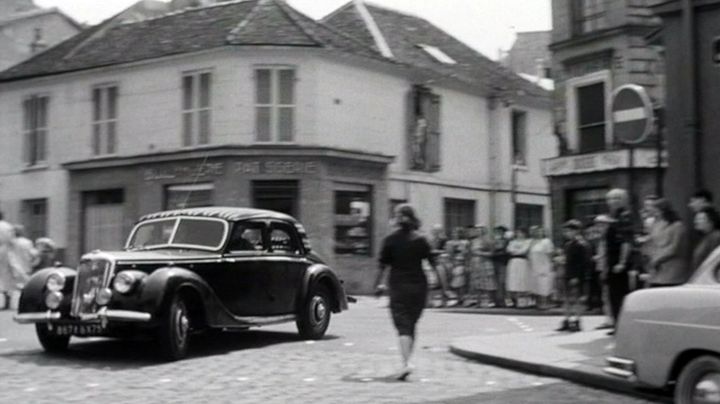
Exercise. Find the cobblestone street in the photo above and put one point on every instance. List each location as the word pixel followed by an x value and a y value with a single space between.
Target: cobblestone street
pixel 273 366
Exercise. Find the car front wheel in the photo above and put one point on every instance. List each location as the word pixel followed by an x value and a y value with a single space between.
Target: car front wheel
pixel 313 316
pixel 51 342
pixel 174 332
pixel 699 381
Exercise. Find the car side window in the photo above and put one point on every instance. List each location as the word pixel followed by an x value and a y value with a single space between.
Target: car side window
pixel 283 239
pixel 246 236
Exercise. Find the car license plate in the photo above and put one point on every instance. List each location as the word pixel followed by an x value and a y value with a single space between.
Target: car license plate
pixel 79 329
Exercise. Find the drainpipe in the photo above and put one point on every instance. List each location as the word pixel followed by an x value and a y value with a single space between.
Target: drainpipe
pixel 692 124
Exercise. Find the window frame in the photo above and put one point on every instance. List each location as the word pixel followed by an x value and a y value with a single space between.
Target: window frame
pixel 195 137
pixel 274 104
pixel 573 111
pixel 253 223
pixel 584 20
pixel 32 155
pixel 103 121
pixel 292 232
pixel 514 135
pixel 30 219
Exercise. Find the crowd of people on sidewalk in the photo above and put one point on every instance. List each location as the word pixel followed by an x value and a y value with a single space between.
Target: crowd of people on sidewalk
pixel 597 265
pixel 20 257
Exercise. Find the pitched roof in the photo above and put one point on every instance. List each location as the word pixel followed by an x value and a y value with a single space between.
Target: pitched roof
pixel 234 23
pixel 405 34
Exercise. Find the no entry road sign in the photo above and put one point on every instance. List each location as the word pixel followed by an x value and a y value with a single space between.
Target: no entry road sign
pixel 632 114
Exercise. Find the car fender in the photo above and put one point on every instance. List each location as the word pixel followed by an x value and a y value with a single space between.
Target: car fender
pixel 318 274
pixel 32 298
pixel 160 286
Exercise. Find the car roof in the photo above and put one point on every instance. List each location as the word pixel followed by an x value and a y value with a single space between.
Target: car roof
pixel 221 212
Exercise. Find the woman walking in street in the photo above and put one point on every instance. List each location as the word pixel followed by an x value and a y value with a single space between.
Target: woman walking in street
pixel 518 270
pixel 403 251
pixel 540 255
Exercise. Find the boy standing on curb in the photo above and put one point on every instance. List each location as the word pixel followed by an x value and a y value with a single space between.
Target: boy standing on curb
pixel 577 254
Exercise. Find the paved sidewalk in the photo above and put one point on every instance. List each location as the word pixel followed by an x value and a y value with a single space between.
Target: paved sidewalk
pixel 576 357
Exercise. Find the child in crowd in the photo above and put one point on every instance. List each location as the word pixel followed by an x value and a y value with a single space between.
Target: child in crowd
pixel 577 256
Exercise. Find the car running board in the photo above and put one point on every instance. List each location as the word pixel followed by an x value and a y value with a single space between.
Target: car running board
pixel 264 320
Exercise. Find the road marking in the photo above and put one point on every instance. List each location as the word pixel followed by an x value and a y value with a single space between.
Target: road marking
pixel 165 380
pixel 309 379
pixel 3 339
pixel 538 383
pixel 424 380
pixel 392 348
pixel 310 342
pixel 348 344
pixel 490 383
pixel 242 379
pixel 92 385
pixel 366 379
pixel 30 389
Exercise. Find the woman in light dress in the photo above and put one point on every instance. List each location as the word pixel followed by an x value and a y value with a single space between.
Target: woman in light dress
pixel 12 275
pixel 541 262
pixel 519 275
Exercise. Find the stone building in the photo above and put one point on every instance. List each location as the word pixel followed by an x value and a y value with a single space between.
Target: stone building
pixel 251 103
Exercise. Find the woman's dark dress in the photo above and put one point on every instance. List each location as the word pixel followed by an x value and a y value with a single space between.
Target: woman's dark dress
pixel 403 252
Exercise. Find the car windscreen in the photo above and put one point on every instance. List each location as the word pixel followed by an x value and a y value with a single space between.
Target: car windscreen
pixel 179 232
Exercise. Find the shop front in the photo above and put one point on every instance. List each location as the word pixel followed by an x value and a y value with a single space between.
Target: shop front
pixel 340 196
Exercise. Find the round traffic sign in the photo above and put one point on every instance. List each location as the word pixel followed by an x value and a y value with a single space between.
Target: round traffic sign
pixel 632 114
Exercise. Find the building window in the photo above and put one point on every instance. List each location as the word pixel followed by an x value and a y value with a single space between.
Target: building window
pixel 280 196
pixel 528 215
pixel 196 108
pixel 424 130
pixel 353 219
pixel 34 217
pixel 459 213
pixel 104 126
pixel 588 15
pixel 35 111
pixel 188 196
pixel 585 204
pixel 591 117
pixel 519 137
pixel 275 104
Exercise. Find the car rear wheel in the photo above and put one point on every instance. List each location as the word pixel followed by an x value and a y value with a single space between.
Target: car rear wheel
pixel 313 317
pixel 174 332
pixel 51 342
pixel 699 381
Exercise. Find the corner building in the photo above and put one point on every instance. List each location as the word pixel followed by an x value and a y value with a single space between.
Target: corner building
pixel 251 103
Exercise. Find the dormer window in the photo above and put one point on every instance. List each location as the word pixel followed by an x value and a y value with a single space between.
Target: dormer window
pixel 437 54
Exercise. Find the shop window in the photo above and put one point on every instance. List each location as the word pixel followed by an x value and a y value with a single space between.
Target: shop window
pixel 35 118
pixel 104 119
pixel 196 105
pixel 103 220
pixel 591 117
pixel 353 220
pixel 424 130
pixel 280 196
pixel 585 204
pixel 588 15
pixel 275 104
pixel 459 213
pixel 519 137
pixel 183 196
pixel 34 218
pixel 528 215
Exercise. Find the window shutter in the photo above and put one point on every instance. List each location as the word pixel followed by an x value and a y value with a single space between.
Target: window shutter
pixel 433 147
pixel 410 119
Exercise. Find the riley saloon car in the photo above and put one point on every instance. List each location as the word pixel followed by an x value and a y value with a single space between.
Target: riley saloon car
pixel 669 337
pixel 186 271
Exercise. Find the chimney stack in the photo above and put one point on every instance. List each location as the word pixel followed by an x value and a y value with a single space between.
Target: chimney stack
pixel 38 44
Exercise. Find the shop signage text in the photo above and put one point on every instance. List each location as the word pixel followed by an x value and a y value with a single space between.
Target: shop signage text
pixel 184 171
pixel 276 167
pixel 605 161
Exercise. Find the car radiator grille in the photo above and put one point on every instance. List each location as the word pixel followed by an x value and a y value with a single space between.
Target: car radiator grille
pixel 92 276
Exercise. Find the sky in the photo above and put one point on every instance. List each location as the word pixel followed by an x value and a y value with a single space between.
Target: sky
pixel 486 25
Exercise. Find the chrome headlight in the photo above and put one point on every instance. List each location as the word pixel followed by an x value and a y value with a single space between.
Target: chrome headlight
pixel 53 299
pixel 55 282
pixel 124 282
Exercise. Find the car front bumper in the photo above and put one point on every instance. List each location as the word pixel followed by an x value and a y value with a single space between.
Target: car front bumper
pixel 621 367
pixel 103 315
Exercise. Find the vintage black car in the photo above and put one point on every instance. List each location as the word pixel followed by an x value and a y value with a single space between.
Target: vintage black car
pixel 185 271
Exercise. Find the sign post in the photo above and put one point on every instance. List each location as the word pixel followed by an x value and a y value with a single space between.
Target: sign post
pixel 632 122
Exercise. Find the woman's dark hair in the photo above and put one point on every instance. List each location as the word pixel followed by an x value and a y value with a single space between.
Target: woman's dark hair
pixel 712 215
pixel 666 210
pixel 408 211
pixel 703 194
